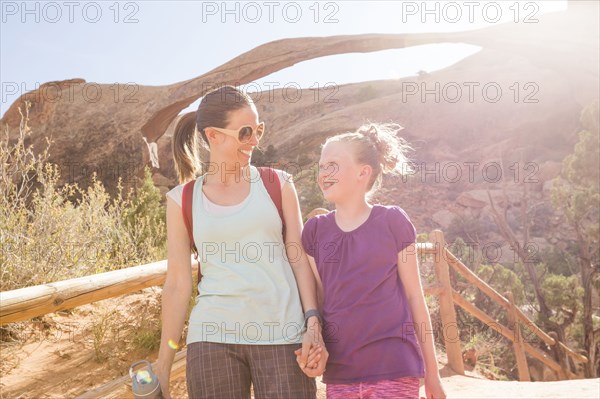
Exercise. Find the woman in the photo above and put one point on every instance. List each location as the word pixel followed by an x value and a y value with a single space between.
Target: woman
pixel 248 317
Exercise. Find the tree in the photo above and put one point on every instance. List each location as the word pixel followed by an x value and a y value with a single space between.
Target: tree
pixel 577 194
pixel 526 257
pixel 555 314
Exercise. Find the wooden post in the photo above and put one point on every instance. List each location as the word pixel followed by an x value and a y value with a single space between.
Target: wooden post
pixel 518 346
pixel 564 372
pixel 448 314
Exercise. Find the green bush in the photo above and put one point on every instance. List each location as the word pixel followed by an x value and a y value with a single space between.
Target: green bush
pixel 560 262
pixel 564 295
pixel 52 232
pixel 503 279
pixel 309 193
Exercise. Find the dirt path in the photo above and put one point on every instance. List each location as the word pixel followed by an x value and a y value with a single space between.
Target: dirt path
pixel 60 358
pixel 66 354
pixel 464 387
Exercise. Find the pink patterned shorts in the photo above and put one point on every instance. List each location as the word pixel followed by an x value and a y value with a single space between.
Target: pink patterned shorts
pixel 399 388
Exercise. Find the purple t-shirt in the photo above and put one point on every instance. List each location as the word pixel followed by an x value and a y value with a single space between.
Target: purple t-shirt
pixel 368 324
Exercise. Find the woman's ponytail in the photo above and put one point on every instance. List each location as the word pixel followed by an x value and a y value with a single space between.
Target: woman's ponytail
pixel 185 148
pixel 213 111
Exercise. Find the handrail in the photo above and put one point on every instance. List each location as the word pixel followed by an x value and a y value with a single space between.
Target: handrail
pixel 492 293
pixel 475 311
pixel 25 303
pixel 501 300
pixel 29 302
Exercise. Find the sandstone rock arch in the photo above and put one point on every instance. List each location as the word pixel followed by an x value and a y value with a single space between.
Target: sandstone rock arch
pixel 123 125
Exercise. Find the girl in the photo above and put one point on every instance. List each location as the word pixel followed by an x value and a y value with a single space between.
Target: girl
pixel 247 319
pixel 364 259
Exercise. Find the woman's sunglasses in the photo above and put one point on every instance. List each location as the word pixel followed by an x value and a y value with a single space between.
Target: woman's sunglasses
pixel 244 133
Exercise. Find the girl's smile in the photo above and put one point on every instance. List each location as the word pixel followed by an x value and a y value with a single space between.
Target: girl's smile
pixel 339 173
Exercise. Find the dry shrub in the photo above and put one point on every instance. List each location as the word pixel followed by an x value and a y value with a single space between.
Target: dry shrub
pixel 52 232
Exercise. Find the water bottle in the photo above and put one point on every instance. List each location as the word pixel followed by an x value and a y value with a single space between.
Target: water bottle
pixel 145 383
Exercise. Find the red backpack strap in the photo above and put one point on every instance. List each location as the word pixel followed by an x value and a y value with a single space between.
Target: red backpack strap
pixel 186 210
pixel 271 181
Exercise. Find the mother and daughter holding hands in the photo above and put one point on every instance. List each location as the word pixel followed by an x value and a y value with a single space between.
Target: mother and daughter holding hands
pixel 280 303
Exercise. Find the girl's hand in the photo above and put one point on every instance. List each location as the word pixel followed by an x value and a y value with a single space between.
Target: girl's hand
pixel 317 360
pixel 313 355
pixel 433 387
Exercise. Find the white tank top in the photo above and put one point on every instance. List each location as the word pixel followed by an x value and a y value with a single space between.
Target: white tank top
pixel 248 292
pixel 176 195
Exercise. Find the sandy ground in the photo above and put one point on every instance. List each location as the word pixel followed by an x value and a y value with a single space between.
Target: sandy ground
pixel 59 358
pixel 459 386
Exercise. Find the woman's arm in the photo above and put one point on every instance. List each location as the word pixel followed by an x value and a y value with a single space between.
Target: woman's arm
pixel 293 243
pixel 176 292
pixel 408 269
pixel 303 274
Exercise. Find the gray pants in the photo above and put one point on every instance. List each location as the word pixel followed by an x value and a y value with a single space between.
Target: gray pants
pixel 225 371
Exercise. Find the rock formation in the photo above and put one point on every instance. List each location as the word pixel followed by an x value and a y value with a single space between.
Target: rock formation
pixel 117 129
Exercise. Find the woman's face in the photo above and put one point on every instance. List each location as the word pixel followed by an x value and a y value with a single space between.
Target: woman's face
pixel 231 149
pixel 339 174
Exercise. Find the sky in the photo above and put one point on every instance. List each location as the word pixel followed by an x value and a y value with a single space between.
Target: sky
pixel 160 42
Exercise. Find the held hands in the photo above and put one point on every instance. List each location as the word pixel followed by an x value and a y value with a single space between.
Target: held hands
pixel 313 355
pixel 313 367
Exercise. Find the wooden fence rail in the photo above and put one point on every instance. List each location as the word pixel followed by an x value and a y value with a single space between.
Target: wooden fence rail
pixel 26 303
pixel 444 258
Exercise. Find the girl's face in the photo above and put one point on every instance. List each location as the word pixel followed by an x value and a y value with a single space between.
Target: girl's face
pixel 340 176
pixel 229 147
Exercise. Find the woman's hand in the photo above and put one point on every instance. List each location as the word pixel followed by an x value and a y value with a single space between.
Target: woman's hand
pixel 312 357
pixel 433 387
pixel 163 378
